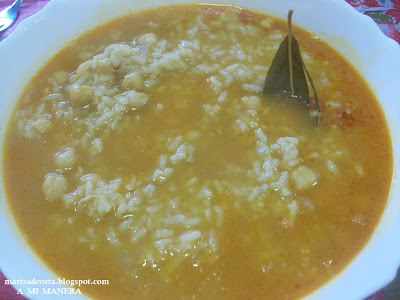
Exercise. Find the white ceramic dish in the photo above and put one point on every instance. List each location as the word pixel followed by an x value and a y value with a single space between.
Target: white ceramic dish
pixel 355 36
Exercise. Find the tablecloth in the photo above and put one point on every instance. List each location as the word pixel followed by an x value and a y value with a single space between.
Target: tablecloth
pixel 386 13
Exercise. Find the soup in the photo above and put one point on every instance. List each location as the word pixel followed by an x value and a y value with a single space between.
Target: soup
pixel 158 164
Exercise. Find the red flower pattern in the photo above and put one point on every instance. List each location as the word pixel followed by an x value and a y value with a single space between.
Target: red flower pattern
pixel 386 13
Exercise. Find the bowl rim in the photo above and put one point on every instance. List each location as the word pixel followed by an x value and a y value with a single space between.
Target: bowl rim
pixel 362 43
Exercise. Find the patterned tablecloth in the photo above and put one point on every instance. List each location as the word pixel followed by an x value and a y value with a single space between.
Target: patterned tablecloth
pixel 386 13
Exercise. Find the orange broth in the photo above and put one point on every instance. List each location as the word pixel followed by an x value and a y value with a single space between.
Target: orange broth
pixel 262 252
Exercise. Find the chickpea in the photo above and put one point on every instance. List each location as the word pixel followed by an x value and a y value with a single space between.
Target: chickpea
pixel 136 99
pixel 304 178
pixel 42 125
pixel 65 159
pixel 54 186
pixel 61 77
pixel 81 95
pixel 133 81
pixel 147 39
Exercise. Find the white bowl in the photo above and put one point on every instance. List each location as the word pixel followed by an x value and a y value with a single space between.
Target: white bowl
pixel 354 35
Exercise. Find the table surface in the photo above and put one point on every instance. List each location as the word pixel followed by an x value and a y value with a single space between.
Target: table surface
pixel 386 13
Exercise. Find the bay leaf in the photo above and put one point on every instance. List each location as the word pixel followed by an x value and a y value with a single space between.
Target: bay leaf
pixel 286 76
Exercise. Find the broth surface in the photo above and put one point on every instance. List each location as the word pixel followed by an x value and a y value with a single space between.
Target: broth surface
pixel 144 153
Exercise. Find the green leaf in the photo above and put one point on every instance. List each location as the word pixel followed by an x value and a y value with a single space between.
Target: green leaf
pixel 380 17
pixel 277 82
pixel 287 75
